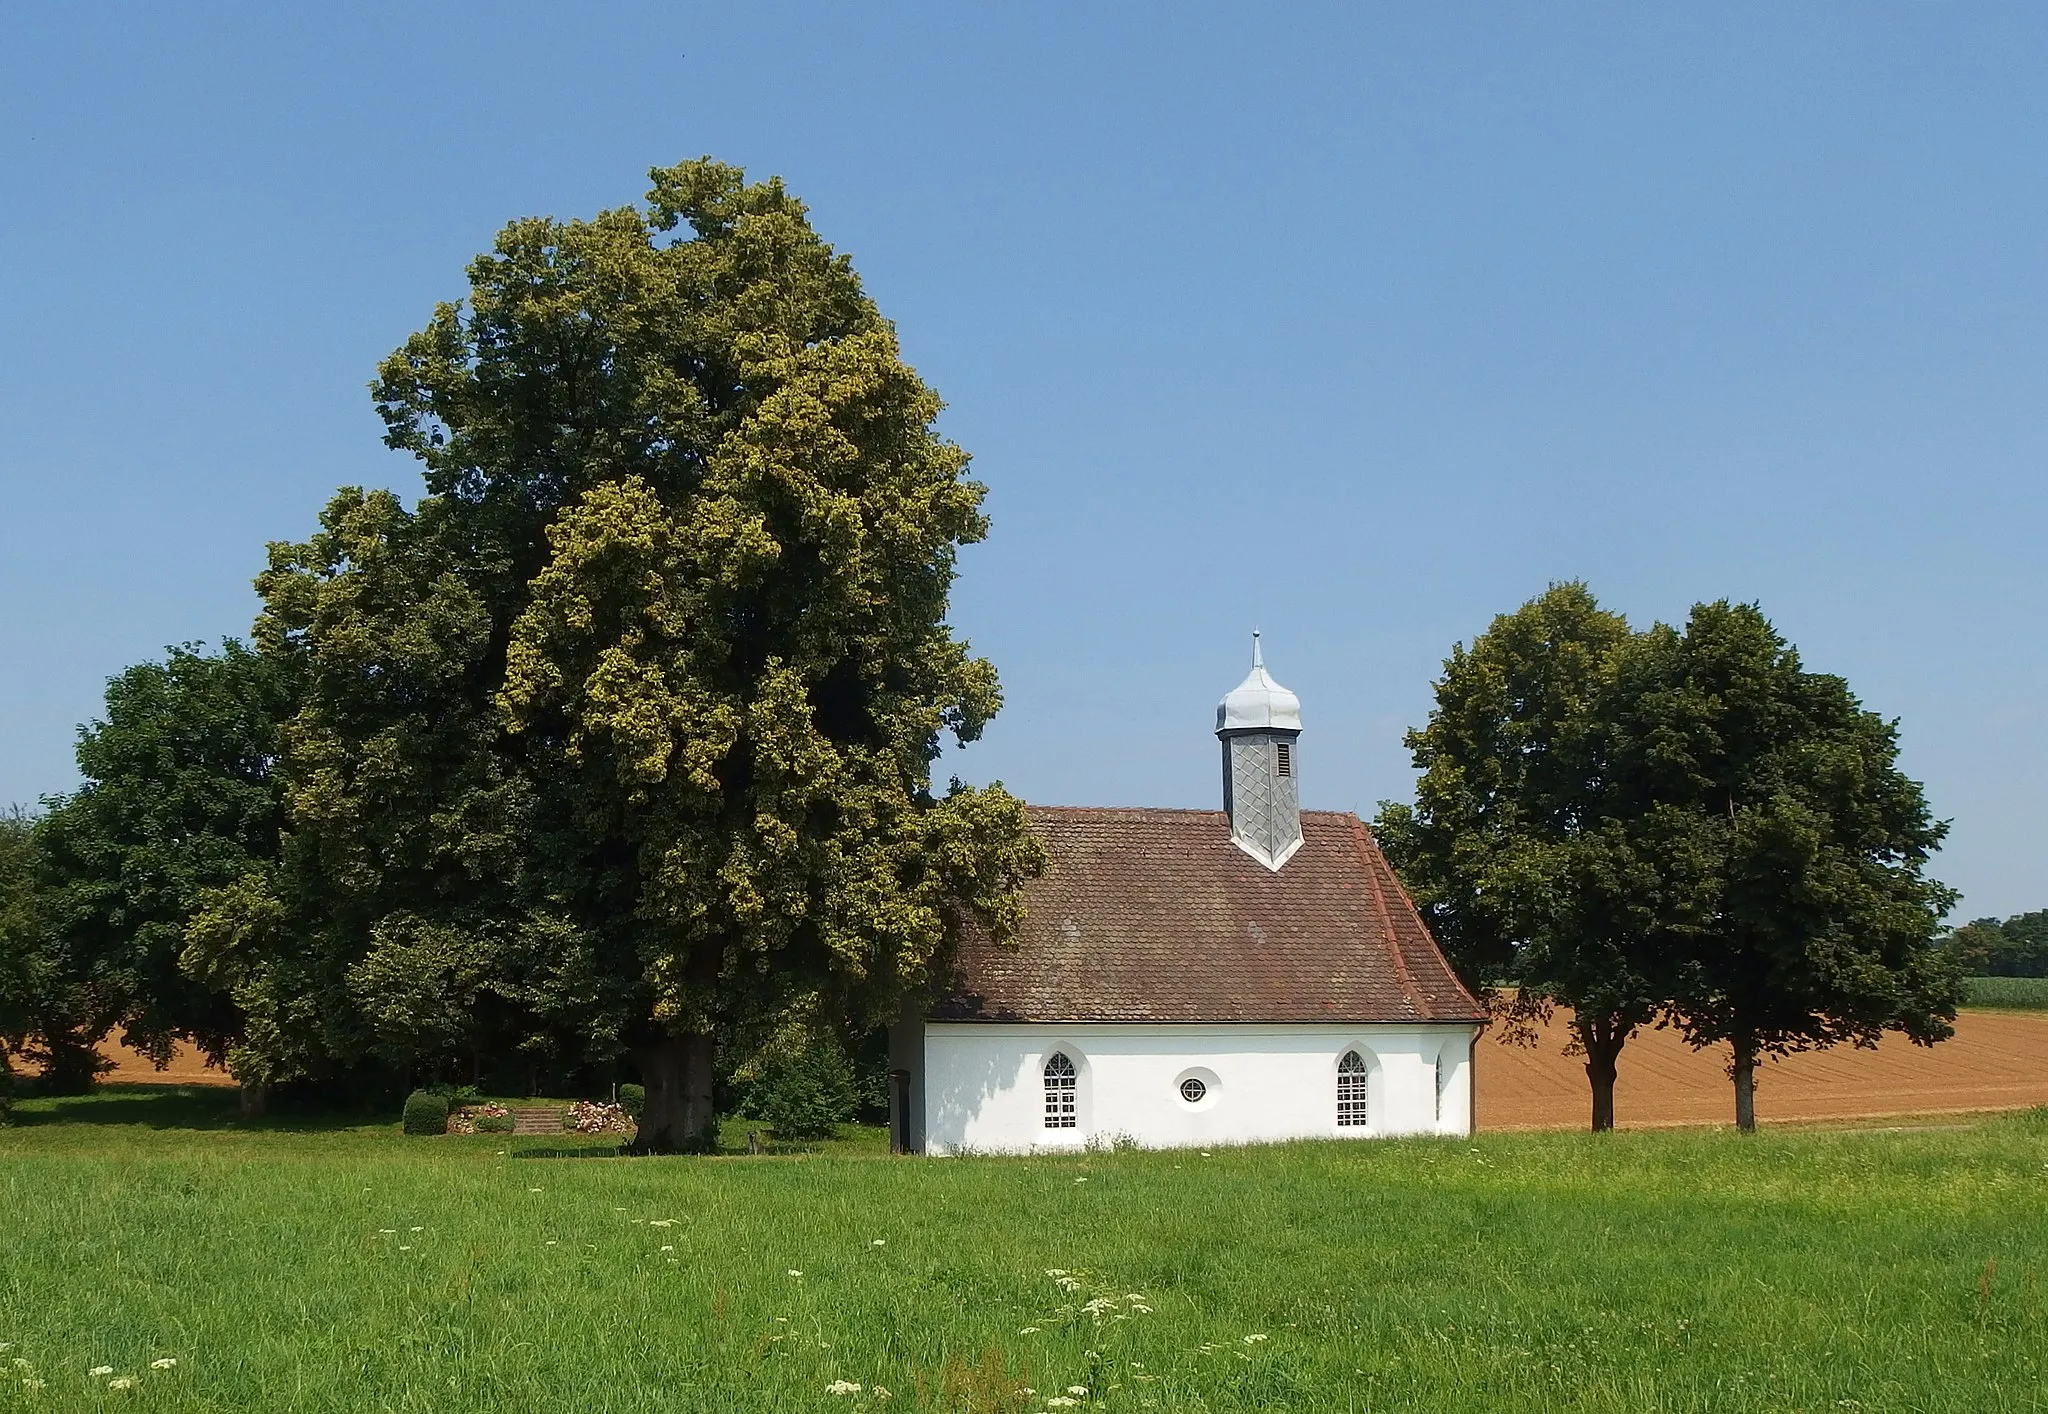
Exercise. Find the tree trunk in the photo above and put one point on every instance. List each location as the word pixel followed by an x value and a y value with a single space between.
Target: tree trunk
pixel 1744 1071
pixel 1602 1041
pixel 255 1099
pixel 677 1117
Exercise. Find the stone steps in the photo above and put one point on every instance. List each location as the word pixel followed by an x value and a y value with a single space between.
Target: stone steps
pixel 547 1121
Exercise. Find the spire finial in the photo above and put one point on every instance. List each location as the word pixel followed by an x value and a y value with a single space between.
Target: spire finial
pixel 1258 657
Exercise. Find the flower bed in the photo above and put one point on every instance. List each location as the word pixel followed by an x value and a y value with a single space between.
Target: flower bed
pixel 480 1119
pixel 597 1117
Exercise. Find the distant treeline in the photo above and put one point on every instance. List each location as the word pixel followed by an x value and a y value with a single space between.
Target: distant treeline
pixel 2011 947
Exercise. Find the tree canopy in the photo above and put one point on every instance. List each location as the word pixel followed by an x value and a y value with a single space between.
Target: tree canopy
pixel 1681 826
pixel 622 736
pixel 1538 891
pixel 2010 947
pixel 1796 903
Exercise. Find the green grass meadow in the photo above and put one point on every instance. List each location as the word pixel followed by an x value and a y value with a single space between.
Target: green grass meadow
pixel 2007 993
pixel 305 1267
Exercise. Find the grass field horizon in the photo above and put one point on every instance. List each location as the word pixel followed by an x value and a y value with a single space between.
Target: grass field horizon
pixel 318 1264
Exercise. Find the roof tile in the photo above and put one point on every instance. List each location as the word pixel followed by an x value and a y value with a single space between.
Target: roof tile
pixel 1155 916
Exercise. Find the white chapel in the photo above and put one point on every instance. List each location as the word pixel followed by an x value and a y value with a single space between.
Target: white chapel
pixel 1196 977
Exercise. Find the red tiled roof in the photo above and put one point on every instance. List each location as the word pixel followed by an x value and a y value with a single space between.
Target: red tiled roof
pixel 1154 915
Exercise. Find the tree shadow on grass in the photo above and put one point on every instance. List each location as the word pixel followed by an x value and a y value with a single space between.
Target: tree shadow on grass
pixel 203 1107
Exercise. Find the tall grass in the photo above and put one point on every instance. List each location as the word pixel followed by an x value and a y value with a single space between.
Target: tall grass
pixel 2007 993
pixel 351 1269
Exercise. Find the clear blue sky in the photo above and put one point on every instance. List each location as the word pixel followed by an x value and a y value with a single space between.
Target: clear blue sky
pixel 1357 322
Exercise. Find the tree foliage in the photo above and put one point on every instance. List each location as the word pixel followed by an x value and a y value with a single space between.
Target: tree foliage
pixel 179 799
pixel 1680 825
pixel 2011 947
pixel 622 736
pixel 20 960
pixel 1512 849
pixel 1796 902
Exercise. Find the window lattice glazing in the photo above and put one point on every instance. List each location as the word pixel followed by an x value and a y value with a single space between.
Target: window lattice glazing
pixel 1059 1092
pixel 1351 1105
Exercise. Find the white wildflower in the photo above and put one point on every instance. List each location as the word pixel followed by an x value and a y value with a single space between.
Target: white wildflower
pixel 169 1362
pixel 842 1387
pixel 1029 1330
pixel 1078 1390
pixel 533 1190
pixel 403 1248
pixel 1055 1271
pixel 879 1242
pixel 1082 1179
pixel 125 1382
pixel 879 1393
pixel 387 1232
pixel 669 1247
pixel 1253 1339
pixel 1060 1401
pixel 793 1272
pixel 662 1222
pixel 96 1371
pixel 416 1229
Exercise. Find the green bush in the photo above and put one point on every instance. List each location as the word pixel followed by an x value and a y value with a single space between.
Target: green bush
pixel 6 1088
pixel 633 1099
pixel 426 1113
pixel 494 1124
pixel 2012 993
pixel 804 1087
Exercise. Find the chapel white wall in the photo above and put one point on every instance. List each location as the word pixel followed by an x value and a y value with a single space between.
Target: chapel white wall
pixel 983 1090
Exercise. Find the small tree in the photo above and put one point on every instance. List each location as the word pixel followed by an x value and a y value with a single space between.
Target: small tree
pixel 1511 850
pixel 179 799
pixel 1792 895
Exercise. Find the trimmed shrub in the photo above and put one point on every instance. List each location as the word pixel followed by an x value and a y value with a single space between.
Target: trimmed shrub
pixel 633 1099
pixel 494 1124
pixel 426 1113
pixel 804 1087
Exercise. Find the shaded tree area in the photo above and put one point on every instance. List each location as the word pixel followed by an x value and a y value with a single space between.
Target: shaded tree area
pixel 1678 827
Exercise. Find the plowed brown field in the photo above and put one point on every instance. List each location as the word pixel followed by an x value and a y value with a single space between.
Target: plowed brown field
pixel 1996 1060
pixel 187 1067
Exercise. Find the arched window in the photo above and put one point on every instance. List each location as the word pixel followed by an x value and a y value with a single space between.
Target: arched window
pixel 1351 1104
pixel 1059 1092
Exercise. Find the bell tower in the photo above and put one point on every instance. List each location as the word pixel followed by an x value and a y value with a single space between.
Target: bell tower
pixel 1258 723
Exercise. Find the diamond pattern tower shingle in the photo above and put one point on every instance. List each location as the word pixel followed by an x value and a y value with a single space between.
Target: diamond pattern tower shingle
pixel 1258 723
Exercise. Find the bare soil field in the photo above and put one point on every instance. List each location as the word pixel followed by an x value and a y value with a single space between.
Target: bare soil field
pixel 1996 1060
pixel 187 1067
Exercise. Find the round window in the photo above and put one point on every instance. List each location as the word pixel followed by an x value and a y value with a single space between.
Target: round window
pixel 1192 1090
